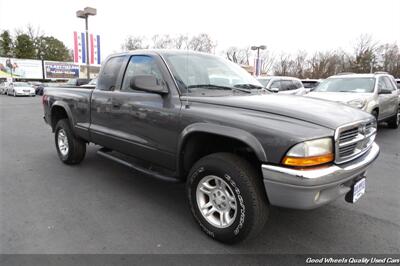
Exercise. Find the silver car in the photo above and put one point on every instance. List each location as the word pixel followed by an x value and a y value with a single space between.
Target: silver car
pixel 282 84
pixel 20 89
pixel 376 94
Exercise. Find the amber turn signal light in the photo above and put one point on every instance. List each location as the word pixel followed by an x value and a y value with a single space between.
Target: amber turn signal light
pixel 307 161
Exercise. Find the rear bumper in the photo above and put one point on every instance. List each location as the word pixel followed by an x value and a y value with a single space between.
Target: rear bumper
pixel 309 189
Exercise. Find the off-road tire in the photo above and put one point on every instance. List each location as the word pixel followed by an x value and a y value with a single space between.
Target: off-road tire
pixel 247 186
pixel 77 147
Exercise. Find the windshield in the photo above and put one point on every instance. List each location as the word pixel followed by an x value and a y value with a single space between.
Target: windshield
pixel 208 73
pixel 71 82
pixel 21 84
pixel 360 85
pixel 93 82
pixel 264 82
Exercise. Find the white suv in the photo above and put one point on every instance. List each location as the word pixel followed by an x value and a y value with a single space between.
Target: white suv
pixel 376 94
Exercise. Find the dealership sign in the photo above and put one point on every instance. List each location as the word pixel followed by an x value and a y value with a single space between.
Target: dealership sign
pixel 60 70
pixel 21 68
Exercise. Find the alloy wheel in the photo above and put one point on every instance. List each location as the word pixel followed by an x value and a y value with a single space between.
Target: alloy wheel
pixel 62 142
pixel 216 201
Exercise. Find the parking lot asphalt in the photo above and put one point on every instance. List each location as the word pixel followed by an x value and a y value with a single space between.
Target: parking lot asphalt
pixel 100 206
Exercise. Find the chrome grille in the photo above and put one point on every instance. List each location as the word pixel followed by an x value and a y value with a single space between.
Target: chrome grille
pixel 353 140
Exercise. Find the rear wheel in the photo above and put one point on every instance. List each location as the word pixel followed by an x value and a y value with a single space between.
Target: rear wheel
pixel 394 122
pixel 70 149
pixel 227 197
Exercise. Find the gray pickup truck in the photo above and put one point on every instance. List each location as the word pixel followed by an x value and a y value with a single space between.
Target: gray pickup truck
pixel 198 118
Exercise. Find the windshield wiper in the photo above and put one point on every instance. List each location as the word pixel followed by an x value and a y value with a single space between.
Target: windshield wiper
pixel 248 86
pixel 217 87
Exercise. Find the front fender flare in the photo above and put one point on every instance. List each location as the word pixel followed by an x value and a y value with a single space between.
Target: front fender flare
pixel 231 132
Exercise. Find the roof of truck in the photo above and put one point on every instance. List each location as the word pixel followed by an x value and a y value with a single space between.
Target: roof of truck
pixel 162 52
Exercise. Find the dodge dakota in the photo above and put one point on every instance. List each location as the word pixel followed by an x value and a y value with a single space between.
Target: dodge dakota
pixel 198 118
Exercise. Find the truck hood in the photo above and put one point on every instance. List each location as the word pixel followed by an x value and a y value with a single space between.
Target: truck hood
pixel 342 97
pixel 321 112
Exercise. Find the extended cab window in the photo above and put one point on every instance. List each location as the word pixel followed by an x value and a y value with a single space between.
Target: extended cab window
pixel 140 65
pixel 108 77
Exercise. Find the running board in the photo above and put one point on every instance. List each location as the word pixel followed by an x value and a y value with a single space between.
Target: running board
pixel 105 153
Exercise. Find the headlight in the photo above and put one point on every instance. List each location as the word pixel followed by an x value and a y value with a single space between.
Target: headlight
pixel 358 103
pixel 310 153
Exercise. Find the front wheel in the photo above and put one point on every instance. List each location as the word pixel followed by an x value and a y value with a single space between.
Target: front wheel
pixel 227 197
pixel 394 122
pixel 70 149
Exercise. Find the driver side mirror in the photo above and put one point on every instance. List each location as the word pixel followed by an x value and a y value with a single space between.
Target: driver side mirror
pixel 275 90
pixel 148 83
pixel 384 91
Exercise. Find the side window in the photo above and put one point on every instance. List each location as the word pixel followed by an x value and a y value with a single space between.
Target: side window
pixel 389 84
pixel 286 85
pixel 297 84
pixel 381 84
pixel 140 65
pixel 109 75
pixel 276 84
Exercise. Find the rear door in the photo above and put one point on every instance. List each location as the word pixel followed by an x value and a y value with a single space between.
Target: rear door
pixel 101 107
pixel 393 97
pixel 384 99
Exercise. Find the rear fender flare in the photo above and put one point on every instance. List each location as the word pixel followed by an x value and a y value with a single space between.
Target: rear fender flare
pixel 67 110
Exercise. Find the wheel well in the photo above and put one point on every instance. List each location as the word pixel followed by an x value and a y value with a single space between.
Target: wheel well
pixel 57 113
pixel 198 145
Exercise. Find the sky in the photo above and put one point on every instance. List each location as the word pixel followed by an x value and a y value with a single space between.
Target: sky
pixel 283 26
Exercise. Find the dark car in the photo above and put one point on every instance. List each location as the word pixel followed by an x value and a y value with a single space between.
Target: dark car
pixel 76 82
pixel 310 84
pixel 39 89
pixel 239 149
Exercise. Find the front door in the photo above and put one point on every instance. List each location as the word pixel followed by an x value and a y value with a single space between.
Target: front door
pixel 146 123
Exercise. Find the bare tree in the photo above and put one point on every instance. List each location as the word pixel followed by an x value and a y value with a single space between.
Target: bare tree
pixel 284 65
pixel 300 64
pixel 201 43
pixel 239 55
pixel 268 60
pixel 389 59
pixel 134 43
pixel 180 41
pixel 162 41
pixel 364 54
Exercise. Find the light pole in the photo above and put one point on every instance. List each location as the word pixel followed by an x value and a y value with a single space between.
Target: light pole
pixel 258 48
pixel 85 13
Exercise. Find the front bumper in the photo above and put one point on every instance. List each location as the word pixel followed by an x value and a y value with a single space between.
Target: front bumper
pixel 24 94
pixel 309 189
